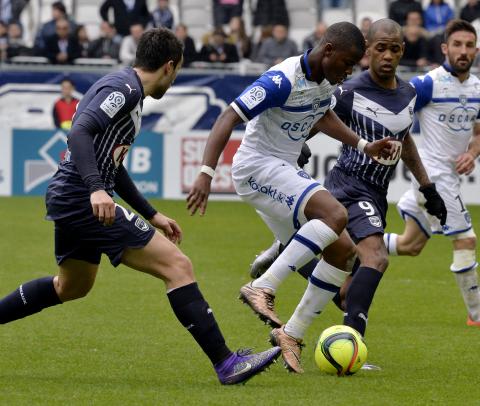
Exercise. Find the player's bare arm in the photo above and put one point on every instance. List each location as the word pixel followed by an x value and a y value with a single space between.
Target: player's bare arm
pixel 331 125
pixel 222 130
pixel 465 163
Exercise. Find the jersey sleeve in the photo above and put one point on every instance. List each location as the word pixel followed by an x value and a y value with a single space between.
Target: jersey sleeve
pixel 424 87
pixel 269 90
pixel 341 104
pixel 107 106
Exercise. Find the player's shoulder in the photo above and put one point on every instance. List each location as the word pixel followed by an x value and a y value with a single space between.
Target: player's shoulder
pixel 124 81
pixel 288 67
pixel 406 88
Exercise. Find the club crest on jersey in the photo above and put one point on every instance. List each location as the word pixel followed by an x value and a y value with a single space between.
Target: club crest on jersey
pixel 141 225
pixel 253 97
pixel 463 99
pixel 375 221
pixel 119 153
pixel 316 104
pixel 113 103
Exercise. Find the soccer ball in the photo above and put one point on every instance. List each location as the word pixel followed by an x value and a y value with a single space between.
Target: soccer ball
pixel 340 351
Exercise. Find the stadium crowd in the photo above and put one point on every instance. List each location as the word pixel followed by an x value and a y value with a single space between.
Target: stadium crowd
pixel 122 22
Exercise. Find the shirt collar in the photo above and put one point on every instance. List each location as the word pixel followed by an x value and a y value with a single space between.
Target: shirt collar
pixel 449 69
pixel 304 64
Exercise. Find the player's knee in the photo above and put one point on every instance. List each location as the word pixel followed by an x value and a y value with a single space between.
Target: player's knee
pixel 414 249
pixel 70 291
pixel 182 265
pixel 337 218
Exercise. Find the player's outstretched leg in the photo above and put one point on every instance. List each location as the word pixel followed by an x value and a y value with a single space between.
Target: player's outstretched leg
pixel 75 279
pixel 164 260
pixel 327 219
pixel 324 282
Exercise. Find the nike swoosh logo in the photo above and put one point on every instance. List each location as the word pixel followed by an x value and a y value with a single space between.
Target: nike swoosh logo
pixel 247 368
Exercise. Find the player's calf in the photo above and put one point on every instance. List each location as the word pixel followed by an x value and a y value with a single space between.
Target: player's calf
pixel 30 298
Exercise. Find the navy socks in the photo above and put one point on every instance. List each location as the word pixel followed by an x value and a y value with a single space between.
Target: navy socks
pixel 196 316
pixel 359 297
pixel 30 298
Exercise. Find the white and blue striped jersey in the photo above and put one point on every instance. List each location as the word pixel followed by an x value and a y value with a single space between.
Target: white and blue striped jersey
pixel 281 107
pixel 447 110
pixel 374 113
pixel 113 106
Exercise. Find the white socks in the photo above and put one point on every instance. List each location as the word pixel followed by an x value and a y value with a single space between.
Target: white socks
pixel 390 240
pixel 468 284
pixel 310 240
pixel 322 287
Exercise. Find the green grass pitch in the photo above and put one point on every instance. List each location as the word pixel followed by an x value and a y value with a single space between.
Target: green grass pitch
pixel 121 345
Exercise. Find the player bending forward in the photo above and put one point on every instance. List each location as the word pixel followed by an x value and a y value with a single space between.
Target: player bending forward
pixel 448 106
pixel 281 107
pixel 88 222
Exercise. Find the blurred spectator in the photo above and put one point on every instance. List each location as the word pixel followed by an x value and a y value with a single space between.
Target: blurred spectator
pixel 437 15
pixel 162 16
pixel 63 46
pixel 83 40
pixel 189 51
pixel 65 107
pixel 10 10
pixel 17 8
pixel 365 25
pixel 399 9
pixel 238 37
pixel 274 50
pixel 225 10
pixel 3 41
pixel 48 30
pixel 107 46
pixel 265 32
pixel 124 13
pixel 15 44
pixel 435 54
pixel 415 52
pixel 218 50
pixel 271 12
pixel 414 18
pixel 471 11
pixel 314 38
pixel 128 48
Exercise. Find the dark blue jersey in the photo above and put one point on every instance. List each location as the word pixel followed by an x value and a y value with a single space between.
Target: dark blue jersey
pixel 112 107
pixel 373 113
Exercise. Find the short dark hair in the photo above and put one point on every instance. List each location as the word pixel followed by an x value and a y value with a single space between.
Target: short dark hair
pixel 458 25
pixel 156 47
pixel 344 35
pixel 59 6
pixel 68 80
pixel 387 26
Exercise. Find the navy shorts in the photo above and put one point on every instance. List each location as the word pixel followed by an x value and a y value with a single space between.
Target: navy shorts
pixel 367 207
pixel 83 237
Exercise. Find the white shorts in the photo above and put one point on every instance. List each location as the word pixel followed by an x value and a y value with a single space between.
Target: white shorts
pixel 411 205
pixel 277 190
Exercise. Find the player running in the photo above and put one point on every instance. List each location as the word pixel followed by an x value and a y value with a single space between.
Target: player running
pixel 448 105
pixel 375 104
pixel 88 222
pixel 281 108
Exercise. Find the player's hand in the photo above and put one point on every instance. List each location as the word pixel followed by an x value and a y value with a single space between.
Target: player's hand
pixel 103 207
pixel 304 156
pixel 434 203
pixel 465 164
pixel 383 148
pixel 198 197
pixel 169 227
